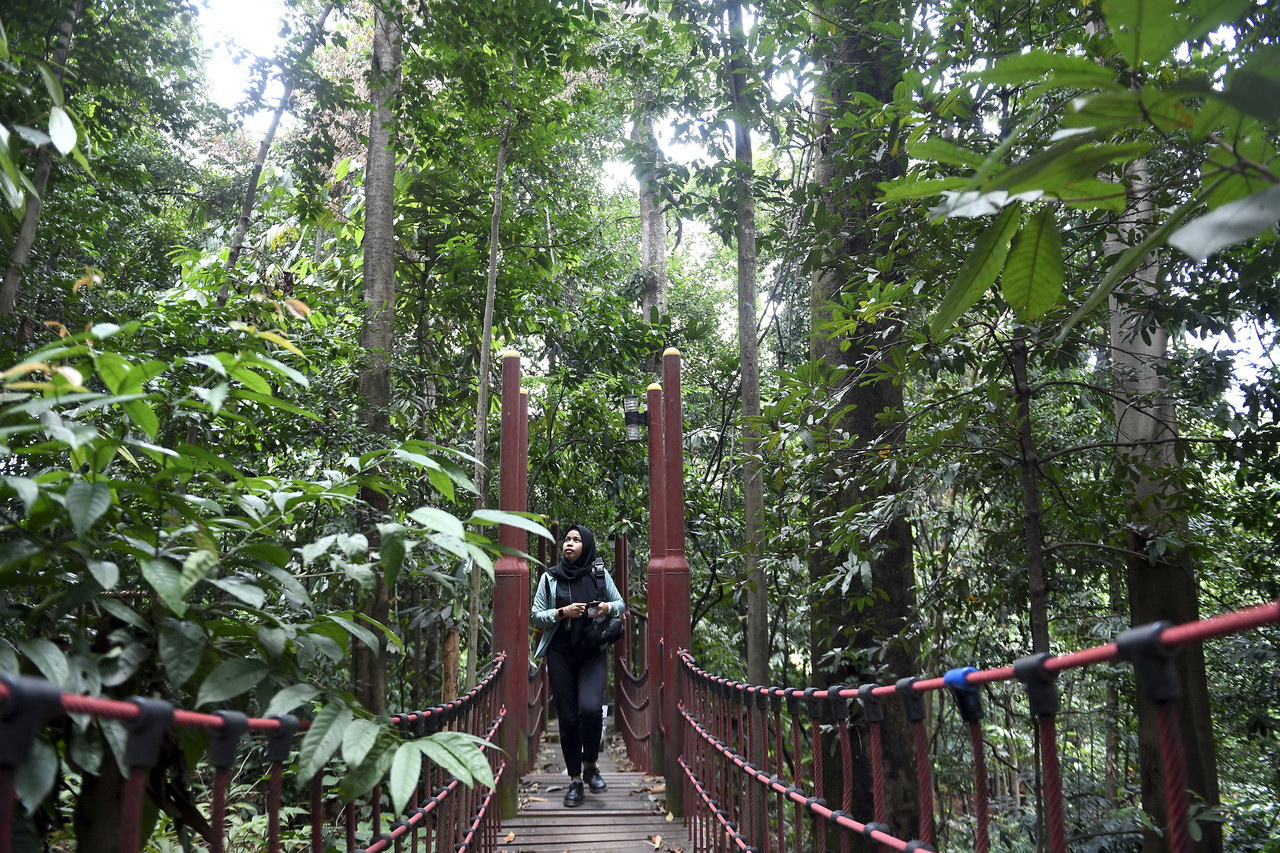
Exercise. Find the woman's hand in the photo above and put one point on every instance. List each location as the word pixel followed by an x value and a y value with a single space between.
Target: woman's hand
pixel 572 611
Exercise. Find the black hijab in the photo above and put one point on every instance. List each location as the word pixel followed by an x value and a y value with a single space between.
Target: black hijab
pixel 572 571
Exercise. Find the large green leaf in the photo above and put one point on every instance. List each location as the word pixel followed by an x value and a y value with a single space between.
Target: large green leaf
pixel 1145 30
pixel 979 271
pixel 182 646
pixel 522 521
pixel 86 503
pixel 166 580
pixel 1059 70
pixel 289 698
pixel 47 657
pixel 439 520
pixel 230 679
pixel 1231 223
pixel 33 780
pixel 1255 88
pixel 322 739
pixel 1033 275
pixel 941 151
pixel 460 755
pixel 358 739
pixel 406 769
pixel 1058 167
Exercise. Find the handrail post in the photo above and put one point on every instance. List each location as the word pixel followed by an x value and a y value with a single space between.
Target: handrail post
pixel 676 591
pixel 657 577
pixel 511 586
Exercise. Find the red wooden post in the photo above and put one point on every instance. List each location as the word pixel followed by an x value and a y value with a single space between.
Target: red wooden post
pixel 657 577
pixel 511 585
pixel 676 592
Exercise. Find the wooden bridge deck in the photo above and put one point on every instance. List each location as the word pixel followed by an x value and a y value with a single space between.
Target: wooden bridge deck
pixel 630 817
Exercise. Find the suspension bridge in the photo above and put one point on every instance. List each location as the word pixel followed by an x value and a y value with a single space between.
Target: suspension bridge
pixel 707 763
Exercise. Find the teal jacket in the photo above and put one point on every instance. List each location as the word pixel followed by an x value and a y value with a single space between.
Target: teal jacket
pixel 543 614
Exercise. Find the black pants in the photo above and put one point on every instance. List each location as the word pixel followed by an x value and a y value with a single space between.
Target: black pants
pixel 577 683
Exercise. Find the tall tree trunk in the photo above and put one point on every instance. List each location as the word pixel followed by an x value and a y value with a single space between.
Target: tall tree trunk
pixel 748 353
pixel 44 164
pixel 482 390
pixel 1162 582
pixel 255 174
pixel 1032 501
pixel 653 226
pixel 860 60
pixel 377 337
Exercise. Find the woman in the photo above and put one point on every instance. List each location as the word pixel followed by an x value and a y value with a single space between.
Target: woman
pixel 576 667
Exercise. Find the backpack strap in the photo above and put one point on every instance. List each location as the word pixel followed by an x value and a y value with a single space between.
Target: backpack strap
pixel 597 571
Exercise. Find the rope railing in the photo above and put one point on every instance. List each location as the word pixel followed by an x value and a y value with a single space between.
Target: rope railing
pixel 739 778
pixel 28 705
pixel 635 715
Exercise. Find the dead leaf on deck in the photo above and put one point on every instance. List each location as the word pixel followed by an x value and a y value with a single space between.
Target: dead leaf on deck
pixel 670 817
pixel 510 836
pixel 657 789
pixel 655 840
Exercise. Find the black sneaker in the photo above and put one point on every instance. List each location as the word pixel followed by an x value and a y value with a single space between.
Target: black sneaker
pixel 591 775
pixel 574 796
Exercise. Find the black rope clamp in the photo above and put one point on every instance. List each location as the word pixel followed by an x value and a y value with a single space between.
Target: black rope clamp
pixel 968 700
pixel 418 726
pixel 839 705
pixel 1042 685
pixel 280 744
pixel 872 707
pixel 146 732
pixel 912 701
pixel 401 722
pixel 30 704
pixel 225 740
pixel 913 846
pixel 775 699
pixel 813 705
pixel 869 828
pixel 1152 661
pixel 793 705
pixel 762 699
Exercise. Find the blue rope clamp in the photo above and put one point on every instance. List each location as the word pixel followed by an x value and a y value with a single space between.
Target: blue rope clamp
pixel 912 701
pixel 280 744
pixel 1152 661
pixel 146 732
pixel 967 697
pixel 225 740
pixel 31 702
pixel 1042 685
pixel 872 707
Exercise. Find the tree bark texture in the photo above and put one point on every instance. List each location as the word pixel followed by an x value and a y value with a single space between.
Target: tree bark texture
pixel 1032 501
pixel 749 360
pixel 21 255
pixel 858 58
pixel 260 161
pixel 377 337
pixel 1161 580
pixel 653 226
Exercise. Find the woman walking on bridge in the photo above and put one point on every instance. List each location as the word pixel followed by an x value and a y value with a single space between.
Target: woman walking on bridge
pixel 570 594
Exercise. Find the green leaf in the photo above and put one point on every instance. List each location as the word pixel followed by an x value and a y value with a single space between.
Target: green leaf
pixel 358 781
pixel 1229 224
pixel 391 551
pixel 979 271
pixel 1059 70
pixel 242 588
pixel 1059 166
pixel 198 564
pixel 274 641
pixel 105 572
pixel 289 698
pixel 907 189
pixel 439 520
pixel 230 679
pixel 459 754
pixel 62 130
pixel 34 780
pixel 940 151
pixel 143 416
pixel 1255 88
pixel 520 520
pixel 322 740
pixel 182 646
pixel 361 633
pixel 86 503
pixel 51 85
pixel 1145 30
pixel 406 769
pixel 28 491
pixel 1033 275
pixel 47 658
pixel 358 739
